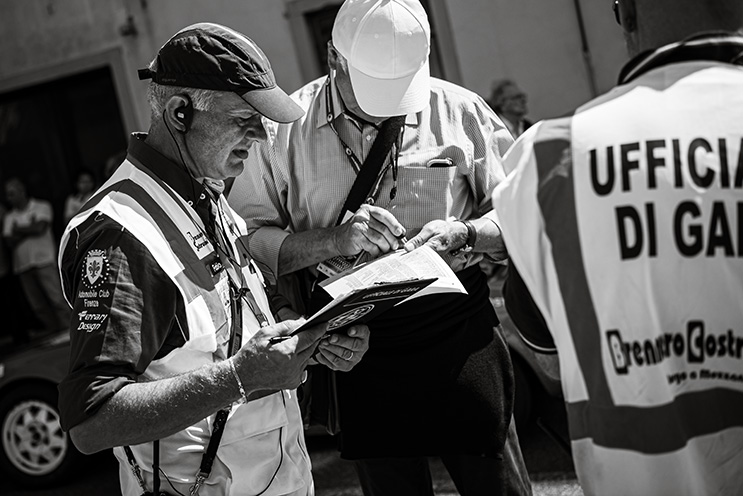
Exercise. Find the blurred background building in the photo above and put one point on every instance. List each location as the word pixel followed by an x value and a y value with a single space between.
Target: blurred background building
pixel 69 92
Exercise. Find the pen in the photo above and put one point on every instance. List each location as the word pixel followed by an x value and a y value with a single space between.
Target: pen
pixel 358 259
pixel 278 339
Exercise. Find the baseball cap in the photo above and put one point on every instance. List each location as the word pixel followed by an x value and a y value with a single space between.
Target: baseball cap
pixel 386 44
pixel 214 57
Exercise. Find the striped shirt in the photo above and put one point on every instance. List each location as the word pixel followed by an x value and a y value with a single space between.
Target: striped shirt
pixel 449 161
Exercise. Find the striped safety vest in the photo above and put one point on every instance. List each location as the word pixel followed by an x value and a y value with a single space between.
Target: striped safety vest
pixel 259 436
pixel 625 221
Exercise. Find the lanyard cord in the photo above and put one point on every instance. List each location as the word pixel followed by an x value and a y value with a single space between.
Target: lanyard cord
pixel 225 252
pixel 215 231
pixel 354 159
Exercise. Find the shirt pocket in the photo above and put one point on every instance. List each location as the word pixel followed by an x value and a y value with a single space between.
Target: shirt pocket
pixel 434 180
pixel 254 418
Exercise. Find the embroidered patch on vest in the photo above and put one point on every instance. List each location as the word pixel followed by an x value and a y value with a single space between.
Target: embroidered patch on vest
pixel 95 269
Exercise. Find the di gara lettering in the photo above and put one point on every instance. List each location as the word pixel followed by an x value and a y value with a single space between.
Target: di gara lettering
pixel 696 164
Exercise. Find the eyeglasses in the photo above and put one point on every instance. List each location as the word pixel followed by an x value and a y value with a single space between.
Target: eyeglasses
pixel 615 8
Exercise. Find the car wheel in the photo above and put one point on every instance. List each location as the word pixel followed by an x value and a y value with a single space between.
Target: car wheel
pixel 35 451
pixel 523 400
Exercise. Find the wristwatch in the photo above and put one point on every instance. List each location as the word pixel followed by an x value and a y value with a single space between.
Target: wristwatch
pixel 469 243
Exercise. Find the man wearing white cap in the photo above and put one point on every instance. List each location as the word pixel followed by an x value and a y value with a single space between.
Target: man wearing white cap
pixel 437 379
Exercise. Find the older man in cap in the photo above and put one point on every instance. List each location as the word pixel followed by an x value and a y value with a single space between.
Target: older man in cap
pixel 437 380
pixel 173 362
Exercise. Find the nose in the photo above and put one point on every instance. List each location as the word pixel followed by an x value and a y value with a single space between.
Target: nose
pixel 255 130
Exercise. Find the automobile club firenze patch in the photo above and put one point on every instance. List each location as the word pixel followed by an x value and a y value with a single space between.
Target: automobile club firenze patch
pixel 95 269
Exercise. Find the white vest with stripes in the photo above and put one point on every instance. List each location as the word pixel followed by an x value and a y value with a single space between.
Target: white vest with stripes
pixel 625 221
pixel 261 436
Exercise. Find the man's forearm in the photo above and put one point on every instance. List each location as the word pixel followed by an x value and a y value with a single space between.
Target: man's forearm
pixel 489 238
pixel 146 411
pixel 305 249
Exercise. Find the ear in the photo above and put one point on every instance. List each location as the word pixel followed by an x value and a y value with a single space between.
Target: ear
pixel 332 56
pixel 173 114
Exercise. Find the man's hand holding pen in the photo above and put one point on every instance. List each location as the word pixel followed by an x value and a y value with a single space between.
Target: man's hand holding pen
pixel 370 230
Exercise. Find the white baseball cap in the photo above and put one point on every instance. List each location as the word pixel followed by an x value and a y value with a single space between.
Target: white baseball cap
pixel 386 44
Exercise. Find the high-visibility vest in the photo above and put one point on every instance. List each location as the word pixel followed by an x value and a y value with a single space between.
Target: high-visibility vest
pixel 625 221
pixel 249 453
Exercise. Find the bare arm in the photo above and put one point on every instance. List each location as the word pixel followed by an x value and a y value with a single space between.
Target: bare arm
pixel 371 229
pixel 143 412
pixel 445 236
pixel 19 233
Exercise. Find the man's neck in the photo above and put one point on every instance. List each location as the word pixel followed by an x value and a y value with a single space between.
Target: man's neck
pixel 23 204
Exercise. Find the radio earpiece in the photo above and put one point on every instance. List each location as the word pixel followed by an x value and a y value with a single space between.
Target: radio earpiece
pixel 184 113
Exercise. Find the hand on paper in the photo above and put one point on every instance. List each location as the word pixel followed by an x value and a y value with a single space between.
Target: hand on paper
pixel 343 351
pixel 443 237
pixel 371 229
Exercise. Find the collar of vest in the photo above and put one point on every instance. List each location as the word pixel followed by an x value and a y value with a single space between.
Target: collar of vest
pixel 175 175
pixel 713 46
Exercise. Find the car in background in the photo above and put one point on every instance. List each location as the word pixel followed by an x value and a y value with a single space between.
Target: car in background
pixel 536 374
pixel 35 451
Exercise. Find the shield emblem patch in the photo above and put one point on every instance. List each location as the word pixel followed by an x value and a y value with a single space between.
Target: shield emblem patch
pixel 95 268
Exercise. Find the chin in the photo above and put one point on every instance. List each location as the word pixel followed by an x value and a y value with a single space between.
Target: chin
pixel 235 169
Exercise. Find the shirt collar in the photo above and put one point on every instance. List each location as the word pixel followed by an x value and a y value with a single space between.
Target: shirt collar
pixel 171 173
pixel 336 106
pixel 716 46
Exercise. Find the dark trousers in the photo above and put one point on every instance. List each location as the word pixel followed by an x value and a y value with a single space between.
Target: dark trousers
pixel 472 475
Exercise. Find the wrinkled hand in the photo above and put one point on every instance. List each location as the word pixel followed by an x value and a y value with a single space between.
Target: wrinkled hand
pixel 443 237
pixel 371 229
pixel 266 365
pixel 343 351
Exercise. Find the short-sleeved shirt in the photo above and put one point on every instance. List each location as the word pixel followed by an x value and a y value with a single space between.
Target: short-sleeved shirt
pixel 116 331
pixel 449 162
pixel 437 362
pixel 32 251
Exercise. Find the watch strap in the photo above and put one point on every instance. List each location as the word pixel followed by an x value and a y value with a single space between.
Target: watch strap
pixel 469 243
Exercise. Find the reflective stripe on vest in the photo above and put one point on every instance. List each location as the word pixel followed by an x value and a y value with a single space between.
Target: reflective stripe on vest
pixel 155 218
pixel 640 428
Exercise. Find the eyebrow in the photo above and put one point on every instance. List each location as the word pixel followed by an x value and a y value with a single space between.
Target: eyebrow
pixel 243 113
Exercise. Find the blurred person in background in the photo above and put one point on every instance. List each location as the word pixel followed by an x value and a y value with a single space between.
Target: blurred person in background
pixel 10 294
pixel 85 185
pixel 623 224
pixel 27 231
pixel 509 102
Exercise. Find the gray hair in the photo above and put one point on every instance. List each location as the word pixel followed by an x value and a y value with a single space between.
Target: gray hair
pixel 158 95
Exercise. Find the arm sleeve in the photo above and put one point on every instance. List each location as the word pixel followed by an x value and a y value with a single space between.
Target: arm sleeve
pixel 525 313
pixel 7 223
pixel 491 140
pixel 257 195
pixel 43 212
pixel 124 311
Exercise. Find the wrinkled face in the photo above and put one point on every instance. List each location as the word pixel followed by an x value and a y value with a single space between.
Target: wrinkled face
pixel 220 138
pixel 514 101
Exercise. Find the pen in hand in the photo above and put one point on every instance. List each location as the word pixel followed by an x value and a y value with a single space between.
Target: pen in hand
pixel 358 259
pixel 279 339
